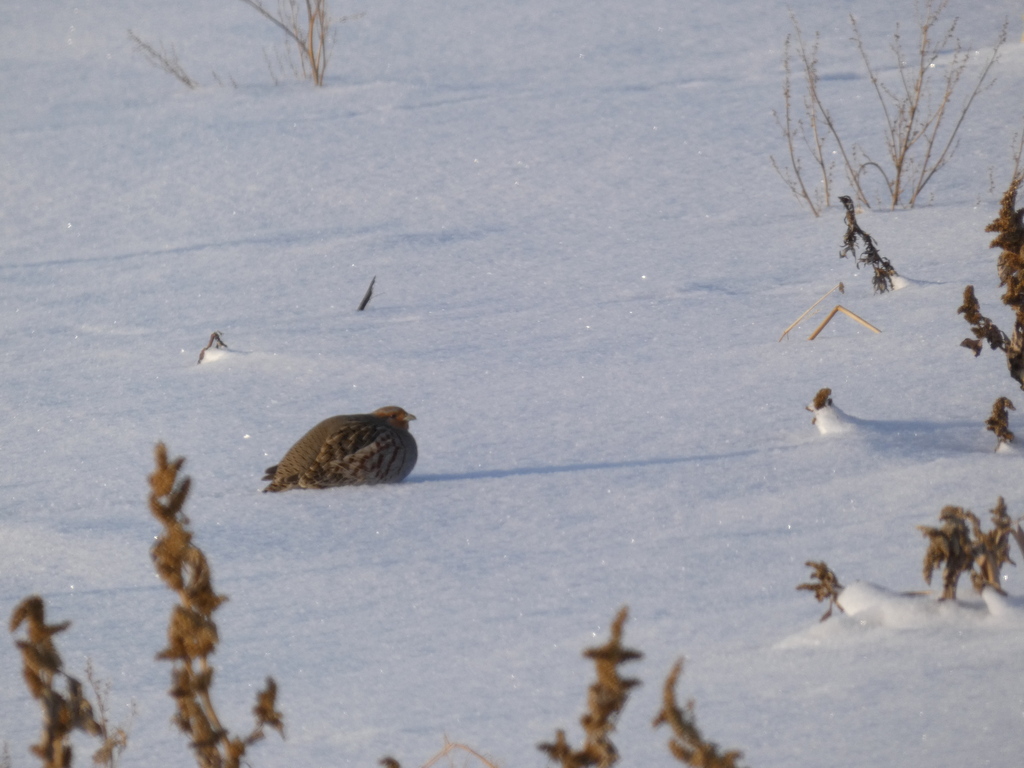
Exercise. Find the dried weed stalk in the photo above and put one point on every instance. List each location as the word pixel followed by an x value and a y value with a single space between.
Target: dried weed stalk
pixel 605 702
pixel 825 586
pixel 309 26
pixel 1010 266
pixel 215 342
pixel 884 272
pixel 808 134
pixel 163 58
pixel 367 296
pixel 63 712
pixel 192 634
pixel 961 544
pixel 115 737
pixel 923 106
pixel 949 544
pixel 999 421
pixel 687 744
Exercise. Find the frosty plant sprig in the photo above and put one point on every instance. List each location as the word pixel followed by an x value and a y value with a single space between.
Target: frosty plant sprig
pixel 192 633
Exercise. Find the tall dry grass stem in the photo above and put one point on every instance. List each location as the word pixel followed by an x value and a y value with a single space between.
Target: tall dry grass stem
pixel 163 58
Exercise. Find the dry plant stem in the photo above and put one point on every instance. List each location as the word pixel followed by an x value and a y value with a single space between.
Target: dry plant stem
pixel 813 132
pixel 991 548
pixel 192 633
pixel 605 702
pixel 795 131
pixel 42 668
pixel 312 37
pixel 916 110
pixel 922 118
pixel 825 585
pixel 998 423
pixel 687 744
pixel 367 296
pixel 164 59
pixel 1009 226
pixel 449 747
pixel 115 738
pixel 962 546
pixel 838 287
pixel 949 545
pixel 848 313
pixel 881 281
pixel 215 342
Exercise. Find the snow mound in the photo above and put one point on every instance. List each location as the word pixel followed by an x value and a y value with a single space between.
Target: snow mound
pixel 829 418
pixel 870 607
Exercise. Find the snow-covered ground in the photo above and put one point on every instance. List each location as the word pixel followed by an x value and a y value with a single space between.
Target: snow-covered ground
pixel 584 262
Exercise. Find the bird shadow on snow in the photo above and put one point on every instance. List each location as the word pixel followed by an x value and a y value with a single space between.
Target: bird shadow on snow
pixel 554 469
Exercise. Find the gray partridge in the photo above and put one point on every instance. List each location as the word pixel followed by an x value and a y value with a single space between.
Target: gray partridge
pixel 360 449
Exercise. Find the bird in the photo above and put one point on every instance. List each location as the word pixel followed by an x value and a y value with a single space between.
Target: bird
pixel 356 449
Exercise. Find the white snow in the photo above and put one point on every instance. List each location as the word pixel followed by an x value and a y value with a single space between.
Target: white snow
pixel 584 261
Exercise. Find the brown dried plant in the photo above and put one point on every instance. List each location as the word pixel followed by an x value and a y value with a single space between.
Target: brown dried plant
pixel 215 342
pixel 825 586
pixel 999 421
pixel 192 634
pixel 991 548
pixel 687 744
pixel 924 98
pixel 961 544
pixel 1010 266
pixel 949 544
pixel 308 25
pixel 884 271
pixel 605 702
pixel 63 712
pixel 115 737
pixel 984 330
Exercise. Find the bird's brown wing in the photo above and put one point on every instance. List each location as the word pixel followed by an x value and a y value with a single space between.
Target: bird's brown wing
pixel 363 454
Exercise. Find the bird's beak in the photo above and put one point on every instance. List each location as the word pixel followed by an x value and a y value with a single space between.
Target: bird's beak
pixel 410 417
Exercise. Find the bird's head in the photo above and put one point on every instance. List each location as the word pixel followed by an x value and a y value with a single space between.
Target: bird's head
pixel 395 416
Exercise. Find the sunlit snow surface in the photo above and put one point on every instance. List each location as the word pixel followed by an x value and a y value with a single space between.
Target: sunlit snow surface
pixel 584 260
